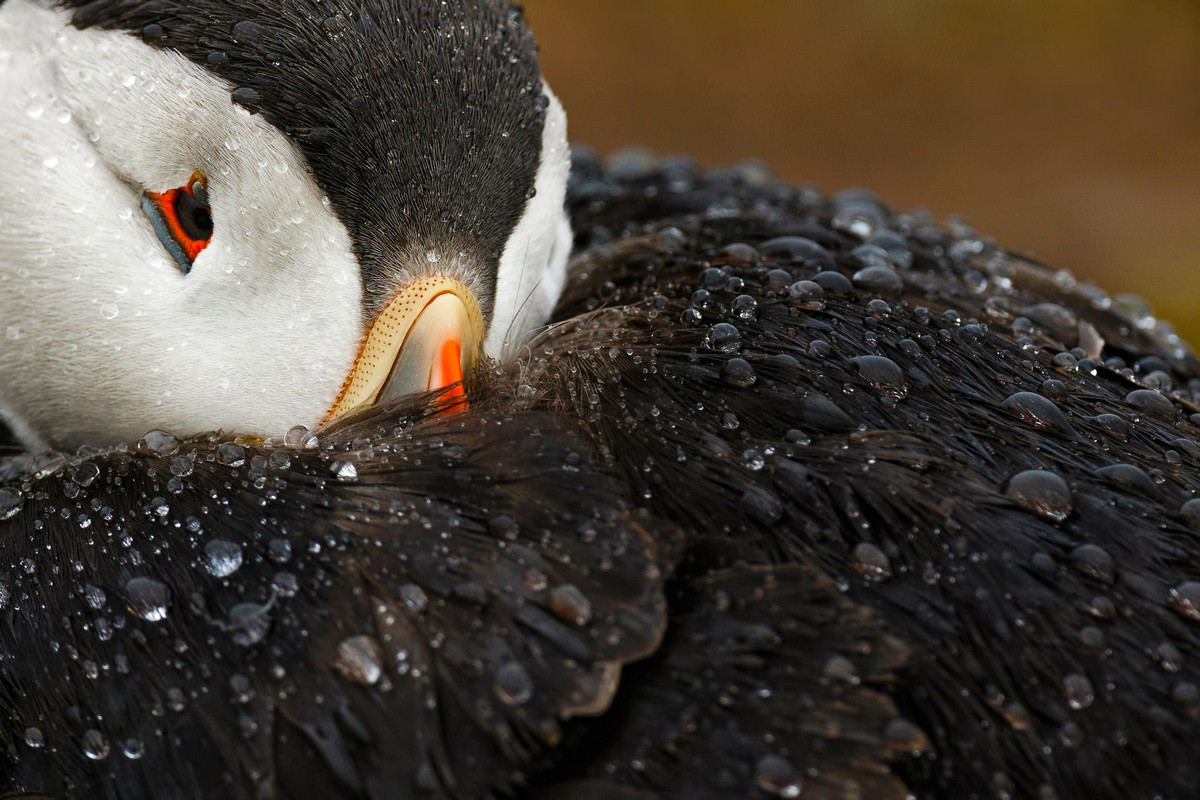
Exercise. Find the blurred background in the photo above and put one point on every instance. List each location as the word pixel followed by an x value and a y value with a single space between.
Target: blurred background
pixel 1067 129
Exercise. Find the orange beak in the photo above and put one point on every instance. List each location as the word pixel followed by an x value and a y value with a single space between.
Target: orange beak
pixel 427 337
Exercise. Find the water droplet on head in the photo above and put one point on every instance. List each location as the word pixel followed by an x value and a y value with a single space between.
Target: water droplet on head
pixel 570 604
pixel 775 776
pixel 1152 404
pixel 147 598
pixel 805 292
pixel 279 550
pixel 249 623
pixel 132 748
pixel 879 371
pixel 359 659
pixel 344 470
pixel 744 307
pixel 1038 411
pixel 1078 691
pixel 833 282
pixel 1186 599
pixel 738 372
pixel 160 443
pixel 231 455
pixel 94 596
pixel 1044 493
pixel 95 745
pixel 879 280
pixel 222 558
pixel 872 562
pixel 904 736
pixel 182 466
pixel 1094 561
pixel 176 699
pixel 34 737
pixel 11 501
pixel 300 436
pixel 512 684
pixel 724 338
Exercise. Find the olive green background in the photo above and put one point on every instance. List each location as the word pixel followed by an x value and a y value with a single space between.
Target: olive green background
pixel 1066 129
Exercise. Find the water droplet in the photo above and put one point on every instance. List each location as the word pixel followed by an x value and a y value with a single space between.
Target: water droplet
pixel 1113 425
pixel 904 736
pixel 85 474
pixel 797 250
pixel 160 443
pixel 777 281
pixel 879 280
pixel 11 501
pixel 222 558
pixel 1152 404
pixel 1186 599
pixel 761 505
pixel 300 436
pixel 724 338
pixel 34 737
pixel 805 292
pixel 775 776
pixel 285 584
pixel 148 599
pixel 833 282
pixel 132 748
pixel 872 562
pixel 94 596
pixel 176 699
pixel 1101 607
pixel 360 659
pixel 744 307
pixel 1187 694
pixel 1093 561
pixel 1078 691
pixel 738 372
pixel 1039 412
pixel 231 455
pixel 249 623
pixel 513 685
pixel 570 604
pixel 182 466
pixel 279 550
pixel 1044 493
pixel 1169 657
pixel 95 746
pixel 880 372
pixel 740 253
pixel 1129 478
pixel 414 597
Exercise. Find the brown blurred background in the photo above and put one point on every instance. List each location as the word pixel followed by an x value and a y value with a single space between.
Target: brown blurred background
pixel 1069 129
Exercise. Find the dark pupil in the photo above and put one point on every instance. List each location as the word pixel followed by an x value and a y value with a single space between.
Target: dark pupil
pixel 194 217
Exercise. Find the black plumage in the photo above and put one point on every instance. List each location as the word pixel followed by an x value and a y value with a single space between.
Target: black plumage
pixel 858 505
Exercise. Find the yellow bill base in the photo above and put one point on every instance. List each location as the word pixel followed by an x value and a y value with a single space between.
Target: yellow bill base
pixel 428 336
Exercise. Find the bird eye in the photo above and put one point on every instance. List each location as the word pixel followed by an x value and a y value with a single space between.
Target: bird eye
pixel 182 219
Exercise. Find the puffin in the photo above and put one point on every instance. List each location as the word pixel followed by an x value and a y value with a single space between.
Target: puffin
pixel 367 442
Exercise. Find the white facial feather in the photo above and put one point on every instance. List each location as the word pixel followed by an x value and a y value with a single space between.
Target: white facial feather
pixel 534 264
pixel 101 336
pixel 104 336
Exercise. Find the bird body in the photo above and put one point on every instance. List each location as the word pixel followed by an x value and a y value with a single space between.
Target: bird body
pixel 795 496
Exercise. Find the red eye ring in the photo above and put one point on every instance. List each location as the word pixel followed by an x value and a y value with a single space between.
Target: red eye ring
pixel 182 219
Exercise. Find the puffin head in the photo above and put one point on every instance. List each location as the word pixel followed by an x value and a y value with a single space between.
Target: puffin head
pixel 241 215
